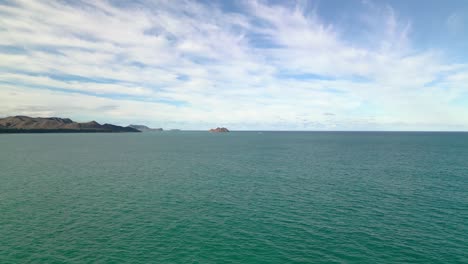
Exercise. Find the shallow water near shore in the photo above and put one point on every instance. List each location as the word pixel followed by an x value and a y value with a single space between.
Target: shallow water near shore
pixel 239 197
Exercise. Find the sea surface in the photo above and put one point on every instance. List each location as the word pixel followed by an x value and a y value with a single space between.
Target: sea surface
pixel 240 197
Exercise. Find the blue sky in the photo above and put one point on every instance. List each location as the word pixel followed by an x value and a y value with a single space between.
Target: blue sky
pixel 273 65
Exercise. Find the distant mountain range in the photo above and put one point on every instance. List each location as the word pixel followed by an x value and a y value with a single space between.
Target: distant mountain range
pixel 143 128
pixel 26 124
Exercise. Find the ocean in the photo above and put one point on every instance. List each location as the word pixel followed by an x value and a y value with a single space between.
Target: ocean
pixel 239 197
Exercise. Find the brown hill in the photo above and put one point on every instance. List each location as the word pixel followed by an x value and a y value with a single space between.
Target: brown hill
pixel 219 130
pixel 18 124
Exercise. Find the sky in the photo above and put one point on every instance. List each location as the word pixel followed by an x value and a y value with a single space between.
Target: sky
pixel 245 65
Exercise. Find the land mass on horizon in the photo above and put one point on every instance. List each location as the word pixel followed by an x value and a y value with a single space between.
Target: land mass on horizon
pixel 219 130
pixel 26 124
pixel 144 128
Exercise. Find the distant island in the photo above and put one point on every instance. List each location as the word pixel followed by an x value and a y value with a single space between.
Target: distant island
pixel 144 128
pixel 219 130
pixel 26 124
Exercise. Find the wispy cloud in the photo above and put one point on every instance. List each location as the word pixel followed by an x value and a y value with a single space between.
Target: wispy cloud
pixel 196 65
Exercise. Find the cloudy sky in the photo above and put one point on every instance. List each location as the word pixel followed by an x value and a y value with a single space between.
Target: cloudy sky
pixel 274 65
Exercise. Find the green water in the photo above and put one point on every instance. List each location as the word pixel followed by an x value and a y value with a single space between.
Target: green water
pixel 242 197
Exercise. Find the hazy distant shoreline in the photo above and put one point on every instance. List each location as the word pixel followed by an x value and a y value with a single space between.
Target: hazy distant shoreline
pixel 45 131
pixel 26 124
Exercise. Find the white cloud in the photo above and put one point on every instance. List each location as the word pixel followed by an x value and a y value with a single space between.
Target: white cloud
pixel 193 65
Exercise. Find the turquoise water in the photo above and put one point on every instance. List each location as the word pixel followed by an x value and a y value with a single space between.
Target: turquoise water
pixel 242 197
